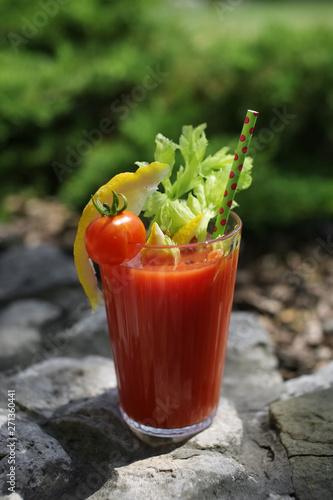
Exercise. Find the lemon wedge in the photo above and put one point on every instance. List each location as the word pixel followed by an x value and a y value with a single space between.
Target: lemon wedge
pixel 157 237
pixel 136 186
pixel 187 231
pixel 167 256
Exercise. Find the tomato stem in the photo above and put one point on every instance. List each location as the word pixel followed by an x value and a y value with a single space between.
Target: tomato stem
pixel 106 209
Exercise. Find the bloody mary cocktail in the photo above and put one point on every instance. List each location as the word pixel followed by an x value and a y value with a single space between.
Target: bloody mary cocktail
pixel 168 327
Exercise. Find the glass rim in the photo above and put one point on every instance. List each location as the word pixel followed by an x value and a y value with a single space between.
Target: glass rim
pixel 237 228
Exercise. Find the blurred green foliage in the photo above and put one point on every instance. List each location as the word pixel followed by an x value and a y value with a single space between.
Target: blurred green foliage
pixel 85 87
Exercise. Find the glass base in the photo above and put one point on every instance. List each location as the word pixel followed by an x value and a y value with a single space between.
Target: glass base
pixel 156 437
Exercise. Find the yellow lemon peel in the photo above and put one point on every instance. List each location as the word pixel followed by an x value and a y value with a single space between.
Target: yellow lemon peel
pixel 136 186
pixel 184 235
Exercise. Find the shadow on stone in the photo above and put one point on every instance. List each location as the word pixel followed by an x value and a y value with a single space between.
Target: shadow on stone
pixel 93 434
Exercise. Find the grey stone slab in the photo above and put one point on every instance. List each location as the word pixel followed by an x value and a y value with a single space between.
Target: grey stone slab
pixel 274 496
pixel 264 458
pixel 21 344
pixel 27 271
pixel 323 379
pixel 225 433
pixel 246 331
pixel 313 477
pixel 195 475
pixel 237 457
pixel 29 313
pixel 12 496
pixel 41 464
pixel 71 299
pixel 305 423
pixel 89 335
pixel 53 383
pixel 251 378
pixel 17 346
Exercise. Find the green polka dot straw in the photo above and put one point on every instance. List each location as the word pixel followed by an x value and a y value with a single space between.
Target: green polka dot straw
pixel 229 194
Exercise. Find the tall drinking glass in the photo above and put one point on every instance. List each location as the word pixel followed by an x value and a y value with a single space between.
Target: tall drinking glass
pixel 168 328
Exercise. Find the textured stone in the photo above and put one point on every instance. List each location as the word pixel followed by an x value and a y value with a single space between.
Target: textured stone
pixel 246 331
pixel 23 346
pixel 76 402
pixel 305 425
pixel 251 379
pixel 28 271
pixel 18 345
pixel 41 464
pixel 195 475
pixel 189 472
pixel 29 313
pixel 323 379
pixel 273 496
pixel 53 383
pixel 264 457
pixel 12 496
pixel 71 299
pixel 106 438
pixel 313 477
pixel 226 431
pixel 90 335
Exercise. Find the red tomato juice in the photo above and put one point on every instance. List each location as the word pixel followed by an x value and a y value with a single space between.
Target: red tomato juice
pixel 168 328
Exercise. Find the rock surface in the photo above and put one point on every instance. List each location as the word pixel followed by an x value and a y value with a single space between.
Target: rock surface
pixel 74 402
pixel 18 346
pixel 265 443
pixel 70 430
pixel 89 335
pixel 41 464
pixel 305 425
pixel 29 313
pixel 309 383
pixel 251 378
pixel 25 271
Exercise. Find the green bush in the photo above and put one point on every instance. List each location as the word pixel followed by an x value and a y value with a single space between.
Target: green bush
pixel 83 96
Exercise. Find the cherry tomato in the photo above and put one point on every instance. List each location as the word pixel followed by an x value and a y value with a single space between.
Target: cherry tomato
pixel 109 239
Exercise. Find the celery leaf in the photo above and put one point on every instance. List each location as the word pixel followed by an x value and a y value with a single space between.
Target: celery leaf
pixel 199 185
